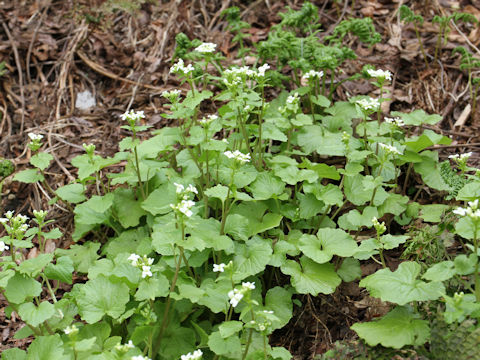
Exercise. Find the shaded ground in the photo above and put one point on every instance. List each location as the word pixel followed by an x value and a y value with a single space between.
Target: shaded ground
pixel 55 50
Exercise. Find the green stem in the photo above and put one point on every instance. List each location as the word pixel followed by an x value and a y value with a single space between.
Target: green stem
pixel 169 299
pixel 137 170
pixel 421 44
pixel 52 293
pixel 477 276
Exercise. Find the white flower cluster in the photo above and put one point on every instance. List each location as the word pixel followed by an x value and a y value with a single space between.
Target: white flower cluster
pixel 238 156
pixel 236 295
pixel 144 263
pixel 380 74
pixel 207 120
pixel 71 330
pixel 171 95
pixel 396 121
pixel 180 189
pixel 184 207
pixel 292 99
pixel 196 355
pixel 125 347
pixel 15 225
pixel 368 104
pixel 390 149
pixel 139 357
pixel 206 48
pixel 35 137
pixel 472 211
pixel 132 116
pixel 180 68
pixel 236 76
pixel 312 74
pixel 40 215
pixel 379 226
pixel 462 157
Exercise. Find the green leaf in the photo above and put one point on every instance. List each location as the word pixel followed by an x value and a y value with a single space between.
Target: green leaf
pixel 428 138
pixel 14 354
pixel 127 207
pixel 433 212
pixel 215 296
pixel 93 211
pixel 229 328
pixel 34 266
pixel 62 270
pixel 469 192
pixel 251 257
pixel 41 160
pixel 355 191
pixel 350 270
pixel 465 227
pixel 398 328
pixel 152 288
pixel 34 315
pixel 28 176
pixel 280 353
pixel 308 277
pixel 83 256
pixel 279 300
pixel 20 287
pixel 218 192
pixel 465 265
pixel 229 347
pixel 99 297
pixel 326 244
pixel 266 186
pixel 440 272
pixel 316 138
pixel 417 117
pixel 158 202
pixel 270 131
pixel 429 170
pixel 46 347
pixel 402 285
pixel 392 241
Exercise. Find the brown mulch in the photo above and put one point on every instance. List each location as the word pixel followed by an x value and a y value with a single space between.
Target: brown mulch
pixel 55 50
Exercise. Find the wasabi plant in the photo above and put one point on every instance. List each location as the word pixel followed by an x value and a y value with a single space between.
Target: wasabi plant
pixel 210 232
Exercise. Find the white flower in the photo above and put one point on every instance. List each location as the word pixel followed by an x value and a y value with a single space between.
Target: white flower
pixel 22 218
pixel 206 48
pixel 262 69
pixel 292 98
pixel 9 214
pixel 171 95
pixel 261 327
pixel 396 121
pixel 380 74
pixel 191 189
pixel 248 285
pixel 219 267
pixel 208 119
pixel 35 137
pixel 196 355
pixel 238 156
pixel 71 330
pixel 368 103
pixel 180 68
pixel 268 311
pixel 134 259
pixel 4 247
pixel 184 207
pixel 139 357
pixel 473 204
pixel 3 220
pixel 125 347
pixel 390 148
pixel 180 188
pixel 312 74
pixel 146 271
pixel 133 116
pixel 225 141
pixel 460 211
pixel 235 297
